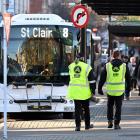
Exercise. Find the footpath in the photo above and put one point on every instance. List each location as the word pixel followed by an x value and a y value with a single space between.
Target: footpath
pixel 130 125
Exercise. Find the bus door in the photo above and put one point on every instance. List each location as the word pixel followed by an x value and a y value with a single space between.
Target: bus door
pixel 1 55
pixel 89 55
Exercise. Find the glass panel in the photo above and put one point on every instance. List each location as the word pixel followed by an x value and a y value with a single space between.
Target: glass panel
pixel 1 52
pixel 40 51
pixel 88 42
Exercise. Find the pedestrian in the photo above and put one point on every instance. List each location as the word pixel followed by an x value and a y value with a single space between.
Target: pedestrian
pixel 115 74
pixel 82 86
pixel 130 67
pixel 134 79
pixel 137 75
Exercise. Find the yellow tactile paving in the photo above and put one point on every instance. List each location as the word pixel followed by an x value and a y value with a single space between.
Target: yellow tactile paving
pixel 40 124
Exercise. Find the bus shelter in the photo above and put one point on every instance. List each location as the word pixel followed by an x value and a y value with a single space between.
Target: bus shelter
pixel 114 7
pixel 118 8
pixel 123 29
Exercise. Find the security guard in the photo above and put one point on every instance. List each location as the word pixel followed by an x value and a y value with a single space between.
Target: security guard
pixel 115 74
pixel 81 87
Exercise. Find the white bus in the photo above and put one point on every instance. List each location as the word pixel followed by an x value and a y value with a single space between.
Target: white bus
pixel 41 47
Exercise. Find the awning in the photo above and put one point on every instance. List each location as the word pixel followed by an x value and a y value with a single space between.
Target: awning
pixel 114 7
pixel 125 29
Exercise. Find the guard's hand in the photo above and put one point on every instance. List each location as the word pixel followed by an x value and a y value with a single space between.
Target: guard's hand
pixel 100 92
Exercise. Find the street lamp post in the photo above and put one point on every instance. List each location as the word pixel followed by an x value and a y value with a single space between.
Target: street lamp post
pixel 5 83
pixel 5 75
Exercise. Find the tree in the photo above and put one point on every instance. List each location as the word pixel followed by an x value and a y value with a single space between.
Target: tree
pixel 60 9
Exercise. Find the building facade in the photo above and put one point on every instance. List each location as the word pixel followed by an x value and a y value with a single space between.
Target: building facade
pixel 26 6
pixel 14 6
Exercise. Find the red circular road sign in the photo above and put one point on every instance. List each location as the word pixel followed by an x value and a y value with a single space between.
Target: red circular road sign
pixel 79 16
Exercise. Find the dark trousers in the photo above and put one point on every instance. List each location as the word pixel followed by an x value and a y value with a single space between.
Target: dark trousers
pixel 114 101
pixel 127 93
pixel 133 83
pixel 80 106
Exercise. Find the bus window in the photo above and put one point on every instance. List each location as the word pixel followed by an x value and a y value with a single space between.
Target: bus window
pixel 37 48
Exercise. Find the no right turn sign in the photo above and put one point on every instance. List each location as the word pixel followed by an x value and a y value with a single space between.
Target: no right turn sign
pixel 80 16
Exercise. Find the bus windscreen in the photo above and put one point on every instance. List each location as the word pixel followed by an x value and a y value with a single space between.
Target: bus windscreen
pixel 39 51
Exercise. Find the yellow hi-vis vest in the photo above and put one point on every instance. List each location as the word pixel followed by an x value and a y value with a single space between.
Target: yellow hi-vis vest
pixel 115 82
pixel 79 85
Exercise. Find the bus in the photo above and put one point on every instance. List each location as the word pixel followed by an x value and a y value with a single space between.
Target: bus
pixel 41 46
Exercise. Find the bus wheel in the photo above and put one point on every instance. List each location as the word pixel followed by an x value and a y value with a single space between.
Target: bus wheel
pixel 68 115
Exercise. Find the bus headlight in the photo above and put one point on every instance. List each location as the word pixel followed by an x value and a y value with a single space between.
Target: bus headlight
pixel 11 101
pixel 68 101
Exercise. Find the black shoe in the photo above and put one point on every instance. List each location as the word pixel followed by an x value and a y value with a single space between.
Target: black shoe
pixel 117 127
pixel 127 98
pixel 110 124
pixel 77 129
pixel 88 127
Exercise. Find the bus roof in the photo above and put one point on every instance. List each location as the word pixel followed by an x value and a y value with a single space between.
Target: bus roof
pixel 38 19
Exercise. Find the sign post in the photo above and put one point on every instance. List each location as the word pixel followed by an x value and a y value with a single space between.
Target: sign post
pixel 80 18
pixel 6 34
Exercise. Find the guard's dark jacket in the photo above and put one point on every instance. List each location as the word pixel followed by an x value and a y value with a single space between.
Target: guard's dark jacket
pixel 116 63
pixel 137 71
pixel 92 77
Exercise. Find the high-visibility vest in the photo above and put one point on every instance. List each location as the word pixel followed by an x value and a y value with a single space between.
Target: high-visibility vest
pixel 115 82
pixel 79 85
